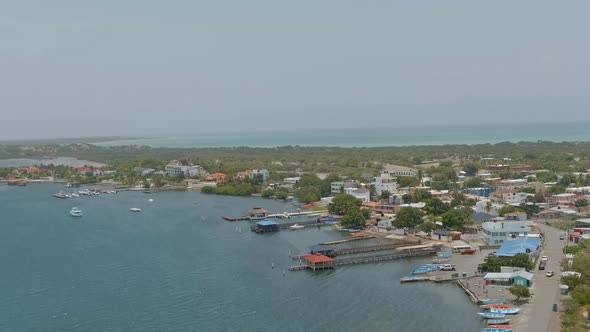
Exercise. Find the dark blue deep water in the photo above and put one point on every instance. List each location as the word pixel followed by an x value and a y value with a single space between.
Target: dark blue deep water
pixel 177 266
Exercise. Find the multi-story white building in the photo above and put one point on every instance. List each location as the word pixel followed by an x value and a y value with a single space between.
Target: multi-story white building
pixel 337 187
pixel 360 193
pixel 395 170
pixel 496 232
pixel 385 182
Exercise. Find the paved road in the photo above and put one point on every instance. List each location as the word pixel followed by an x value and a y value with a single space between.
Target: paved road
pixel 539 315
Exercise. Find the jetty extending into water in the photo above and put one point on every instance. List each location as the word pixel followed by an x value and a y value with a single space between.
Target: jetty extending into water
pixel 283 215
pixel 400 253
pixel 333 252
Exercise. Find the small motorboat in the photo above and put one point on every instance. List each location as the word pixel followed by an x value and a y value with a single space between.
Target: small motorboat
pixel 500 326
pixel 135 210
pixel 492 315
pixel 75 212
pixel 495 329
pixel 296 226
pixel 489 301
pixel 506 311
pixel 498 321
pixel 495 306
pixel 440 260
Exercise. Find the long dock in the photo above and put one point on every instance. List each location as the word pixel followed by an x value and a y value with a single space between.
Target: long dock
pixel 380 247
pixel 356 238
pixel 285 215
pixel 380 258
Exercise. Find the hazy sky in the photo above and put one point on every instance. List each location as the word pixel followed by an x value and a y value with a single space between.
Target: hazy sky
pixel 139 67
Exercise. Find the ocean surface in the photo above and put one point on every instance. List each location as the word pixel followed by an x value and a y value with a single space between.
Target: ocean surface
pixel 479 134
pixel 177 266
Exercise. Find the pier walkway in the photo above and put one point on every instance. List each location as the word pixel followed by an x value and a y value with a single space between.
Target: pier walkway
pixel 376 258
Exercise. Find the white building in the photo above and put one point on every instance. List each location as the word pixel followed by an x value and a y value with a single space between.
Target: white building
pixel 512 198
pixel 395 170
pixel 482 207
pixel 360 193
pixel 337 187
pixel 385 182
pixel 496 232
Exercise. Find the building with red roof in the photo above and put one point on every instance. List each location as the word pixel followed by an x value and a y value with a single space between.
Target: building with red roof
pixel 319 261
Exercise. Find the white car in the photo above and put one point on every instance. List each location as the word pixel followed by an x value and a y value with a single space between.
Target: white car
pixel 549 274
pixel 544 258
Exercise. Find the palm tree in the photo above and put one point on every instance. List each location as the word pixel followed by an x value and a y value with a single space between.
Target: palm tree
pixel 488 206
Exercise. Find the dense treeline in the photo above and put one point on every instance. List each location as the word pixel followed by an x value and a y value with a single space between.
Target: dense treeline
pixel 549 155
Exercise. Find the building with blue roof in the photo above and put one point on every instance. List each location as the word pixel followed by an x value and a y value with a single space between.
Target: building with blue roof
pixel 523 245
pixel 265 226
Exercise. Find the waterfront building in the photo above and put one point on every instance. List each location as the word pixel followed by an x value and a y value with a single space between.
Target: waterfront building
pixel 257 213
pixel 319 262
pixel 265 226
pixel 217 178
pixel 509 278
pixel 496 232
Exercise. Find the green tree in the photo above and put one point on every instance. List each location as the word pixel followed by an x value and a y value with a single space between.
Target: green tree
pixel 530 209
pixel 582 202
pixel 407 181
pixel 344 203
pixel 355 218
pixel 508 209
pixel 428 227
pixel 408 217
pixel 520 291
pixel 436 207
pixel 407 199
pixel 473 182
pixel 453 219
pixel 470 169
pixel 385 195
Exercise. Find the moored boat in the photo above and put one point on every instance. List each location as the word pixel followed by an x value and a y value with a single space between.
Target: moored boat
pixel 495 306
pixel 495 329
pixel 296 226
pixel 440 260
pixel 498 321
pixel 492 315
pixel 135 210
pixel 506 311
pixel 75 212
pixel 489 301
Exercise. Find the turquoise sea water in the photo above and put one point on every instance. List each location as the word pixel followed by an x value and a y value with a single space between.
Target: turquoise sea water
pixel 177 266
pixel 376 137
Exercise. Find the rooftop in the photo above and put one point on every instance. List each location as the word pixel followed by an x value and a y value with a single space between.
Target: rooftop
pixel 317 258
pixel 266 222
pixel 518 246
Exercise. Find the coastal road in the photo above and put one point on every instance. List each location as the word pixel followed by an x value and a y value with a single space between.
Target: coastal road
pixel 539 313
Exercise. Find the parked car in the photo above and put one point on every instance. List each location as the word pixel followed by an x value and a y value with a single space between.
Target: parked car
pixel 549 274
pixel 544 258
pixel 468 252
pixel 447 267
pixel 562 237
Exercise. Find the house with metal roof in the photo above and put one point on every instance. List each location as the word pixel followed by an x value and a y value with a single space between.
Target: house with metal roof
pixel 524 245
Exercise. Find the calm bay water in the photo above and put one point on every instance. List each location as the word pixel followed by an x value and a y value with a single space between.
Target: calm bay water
pixel 480 134
pixel 177 266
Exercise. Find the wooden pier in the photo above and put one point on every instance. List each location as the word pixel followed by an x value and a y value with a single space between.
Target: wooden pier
pixel 356 238
pixel 374 258
pixel 380 247
pixel 380 258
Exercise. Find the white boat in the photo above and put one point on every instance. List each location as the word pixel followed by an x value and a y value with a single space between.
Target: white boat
pixel 75 212
pixel 135 210
pixel 296 226
pixel 75 195
pixel 506 311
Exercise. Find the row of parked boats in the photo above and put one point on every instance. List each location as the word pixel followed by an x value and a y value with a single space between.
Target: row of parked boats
pixel 496 312
pixel 85 192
